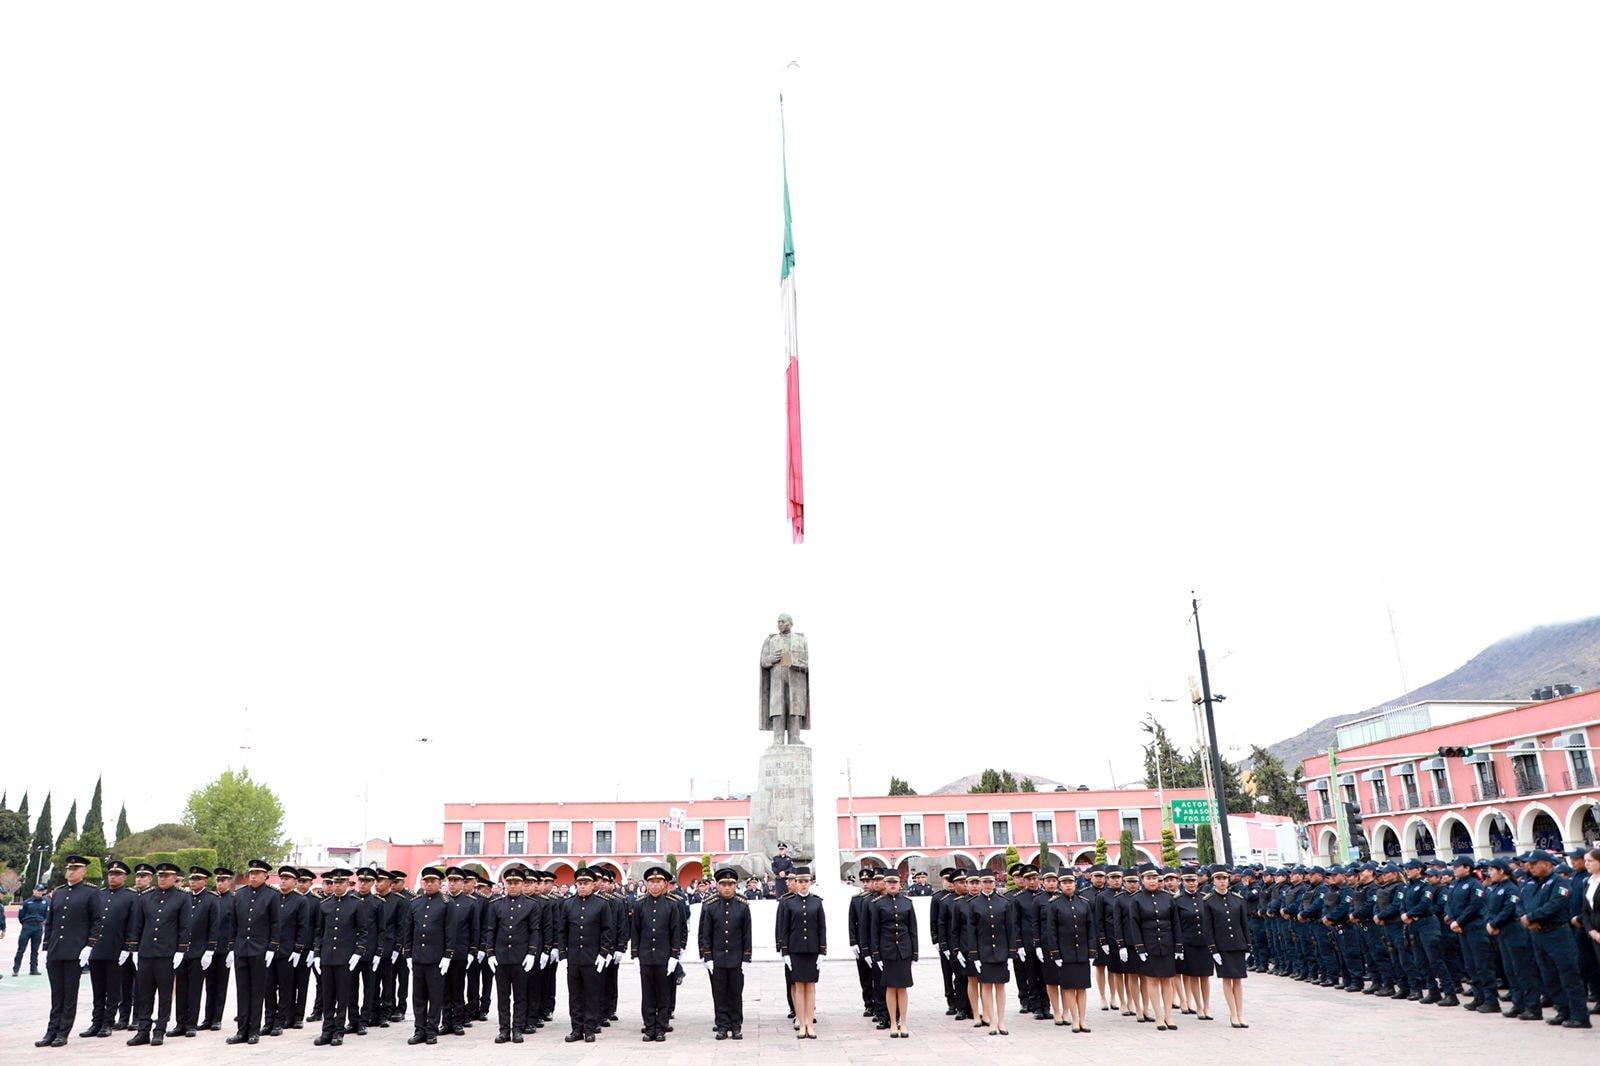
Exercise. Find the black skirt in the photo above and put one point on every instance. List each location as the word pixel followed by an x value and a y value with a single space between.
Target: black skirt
pixel 1102 959
pixel 895 974
pixel 1154 966
pixel 1070 975
pixel 994 973
pixel 1196 962
pixel 972 969
pixel 1233 965
pixel 803 968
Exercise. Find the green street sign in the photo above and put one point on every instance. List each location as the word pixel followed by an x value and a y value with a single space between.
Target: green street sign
pixel 1191 812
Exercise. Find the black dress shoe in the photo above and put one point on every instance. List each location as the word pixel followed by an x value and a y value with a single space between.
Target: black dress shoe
pixel 45 1041
pixel 157 1038
pixel 236 1038
pixel 276 1030
pixel 59 1041
pixel 360 1030
pixel 87 1033
pixel 738 1034
pixel 1570 1023
pixel 338 1038
pixel 572 1038
pixel 502 1037
pixel 138 1039
pixel 516 1037
pixel 253 1039
pixel 416 1038
pixel 322 1040
pixel 722 1034
pixel 588 1038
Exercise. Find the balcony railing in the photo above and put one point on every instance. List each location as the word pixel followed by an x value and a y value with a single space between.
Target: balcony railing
pixel 1581 778
pixel 1380 803
pixel 1413 799
pixel 1529 783
pixel 1486 790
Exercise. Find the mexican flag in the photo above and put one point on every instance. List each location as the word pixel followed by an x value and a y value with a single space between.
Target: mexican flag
pixel 794 476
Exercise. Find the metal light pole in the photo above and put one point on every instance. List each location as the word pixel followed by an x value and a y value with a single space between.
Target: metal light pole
pixel 1211 733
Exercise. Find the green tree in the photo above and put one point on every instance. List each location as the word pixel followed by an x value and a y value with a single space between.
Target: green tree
pixel 22 808
pixel 122 823
pixel 705 866
pixel 1027 785
pixel 92 840
pixel 240 817
pixel 988 782
pixel 672 866
pixel 1045 859
pixel 1013 856
pixel 1169 847
pixel 69 828
pixel 1204 845
pixel 40 849
pixel 1100 850
pixel 13 841
pixel 1127 855
pixel 168 836
pixel 1275 787
pixel 899 786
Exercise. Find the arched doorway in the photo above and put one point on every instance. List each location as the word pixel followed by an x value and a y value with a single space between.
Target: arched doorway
pixel 1327 845
pixel 1388 842
pixel 1502 841
pixel 1547 834
pixel 1583 823
pixel 1454 832
pixel 962 861
pixel 1420 837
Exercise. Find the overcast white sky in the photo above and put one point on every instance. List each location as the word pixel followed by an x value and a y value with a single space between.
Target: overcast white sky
pixel 397 371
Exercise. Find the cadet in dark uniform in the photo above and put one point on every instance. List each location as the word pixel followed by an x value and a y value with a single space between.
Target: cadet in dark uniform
pixel 893 927
pixel 936 931
pixel 201 904
pixel 1151 932
pixel 338 943
pixel 802 935
pixel 255 917
pixel 311 897
pixel 69 924
pixel 1504 929
pixel 622 923
pixel 461 950
pixel 1195 969
pixel 585 937
pixel 384 940
pixel 512 941
pixel 1071 934
pixel 990 937
pixel 159 938
pixel 291 929
pixel 143 875
pixel 1226 931
pixel 782 867
pixel 108 952
pixel 859 934
pixel 542 1001
pixel 1549 914
pixel 216 975
pixel 422 942
pixel 1028 966
pixel 726 946
pixel 401 898
pixel 363 1001
pixel 1464 913
pixel 657 942
pixel 480 982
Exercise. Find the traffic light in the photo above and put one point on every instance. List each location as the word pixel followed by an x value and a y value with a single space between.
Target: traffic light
pixel 1357 835
pixel 1460 753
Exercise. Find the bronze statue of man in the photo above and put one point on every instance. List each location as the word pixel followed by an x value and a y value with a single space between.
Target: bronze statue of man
pixel 785 684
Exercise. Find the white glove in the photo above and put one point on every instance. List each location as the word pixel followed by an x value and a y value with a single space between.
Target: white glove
pixel 618 956
pixel 355 960
pixel 267 959
pixel 311 961
pixel 494 964
pixel 743 966
pixel 788 964
pixel 294 958
pixel 136 963
pixel 1022 956
pixel 867 959
pixel 946 954
pixel 1039 954
pixel 599 964
pixel 544 959
pixel 855 951
pixel 375 960
pixel 1247 956
pixel 177 957
pixel 393 957
pixel 205 960
pixel 1058 962
pixel 229 960
pixel 444 965
pixel 1143 957
pixel 527 963
pixel 1177 955
pixel 1122 953
pixel 880 964
pixel 677 964
pixel 122 960
pixel 480 956
pixel 83 957
pixel 962 959
pixel 1105 949
pixel 1216 958
pixel 555 954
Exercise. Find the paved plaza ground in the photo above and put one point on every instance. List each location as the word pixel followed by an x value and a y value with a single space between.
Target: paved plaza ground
pixel 1286 1019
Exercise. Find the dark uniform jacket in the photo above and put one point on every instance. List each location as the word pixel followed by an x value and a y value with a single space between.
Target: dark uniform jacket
pixel 1150 923
pixel 255 917
pixel 74 912
pixel 291 926
pixel 202 922
pixel 385 936
pixel 936 916
pixel 160 924
pixel 375 909
pixel 1186 907
pixel 725 934
pixel 894 929
pixel 1464 902
pixel 110 935
pixel 584 929
pixel 802 928
pixel 657 935
pixel 422 929
pixel 224 905
pixel 1109 928
pixel 857 919
pixel 339 929
pixel 511 930
pixel 1224 923
pixel 1071 928
pixel 990 932
pixel 462 933
pixel 1026 902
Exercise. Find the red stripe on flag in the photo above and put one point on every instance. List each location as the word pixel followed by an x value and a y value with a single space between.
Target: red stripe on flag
pixel 797 485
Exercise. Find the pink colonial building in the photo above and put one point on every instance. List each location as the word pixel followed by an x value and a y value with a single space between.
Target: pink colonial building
pixel 1536 788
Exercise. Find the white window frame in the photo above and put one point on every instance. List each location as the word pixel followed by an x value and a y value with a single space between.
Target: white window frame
pixel 512 827
pixel 639 831
pixel 472 827
pixel 966 831
pixel 1565 740
pixel 864 821
pixel 1011 835
pixel 1124 813
pixel 908 820
pixel 695 825
pixel 1077 819
pixel 1034 818
pixel 560 827
pixel 598 827
pixel 732 824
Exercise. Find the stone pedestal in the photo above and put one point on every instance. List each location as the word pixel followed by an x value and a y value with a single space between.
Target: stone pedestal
pixel 782 807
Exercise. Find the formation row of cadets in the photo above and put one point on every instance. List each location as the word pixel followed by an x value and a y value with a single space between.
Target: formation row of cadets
pixel 1521 933
pixel 1154 937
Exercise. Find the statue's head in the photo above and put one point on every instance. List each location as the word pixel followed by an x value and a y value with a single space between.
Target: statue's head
pixel 785 623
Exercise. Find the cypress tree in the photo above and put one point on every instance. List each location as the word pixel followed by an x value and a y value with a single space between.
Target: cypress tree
pixel 23 810
pixel 92 841
pixel 40 850
pixel 69 828
pixel 122 823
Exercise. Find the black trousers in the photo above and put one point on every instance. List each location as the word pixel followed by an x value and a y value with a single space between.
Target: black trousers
pixel 551 977
pixel 379 993
pixel 427 997
pixel 654 996
pixel 486 987
pixel 335 1002
pixel 250 991
pixel 475 973
pixel 64 979
pixel 402 983
pixel 947 978
pixel 154 989
pixel 363 989
pixel 727 997
pixel 191 979
pixel 280 991
pixel 216 990
pixel 608 998
pixel 130 985
pixel 105 991
pixel 302 983
pixel 511 996
pixel 455 986
pixel 584 991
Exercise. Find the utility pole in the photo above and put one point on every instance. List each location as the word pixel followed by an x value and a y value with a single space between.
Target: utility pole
pixel 1221 793
pixel 1340 835
pixel 1161 795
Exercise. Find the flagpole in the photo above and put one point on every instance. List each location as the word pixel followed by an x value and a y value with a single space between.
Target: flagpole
pixel 794 476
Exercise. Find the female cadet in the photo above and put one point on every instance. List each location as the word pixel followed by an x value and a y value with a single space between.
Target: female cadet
pixel 1071 936
pixel 802 936
pixel 1151 934
pixel 893 933
pixel 1195 969
pixel 1108 963
pixel 1132 988
pixel 1225 928
pixel 992 937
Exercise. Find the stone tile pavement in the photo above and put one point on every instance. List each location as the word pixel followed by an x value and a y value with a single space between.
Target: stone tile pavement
pixel 1286 1019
